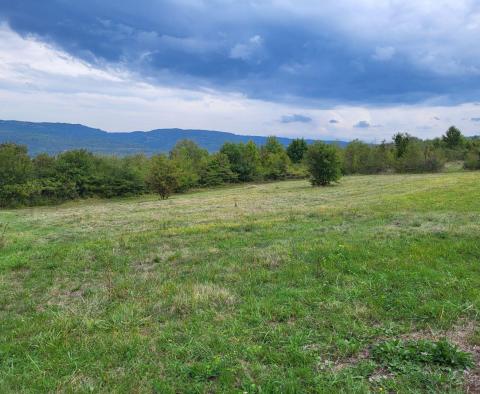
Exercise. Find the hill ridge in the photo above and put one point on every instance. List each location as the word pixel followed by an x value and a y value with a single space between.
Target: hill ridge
pixel 56 137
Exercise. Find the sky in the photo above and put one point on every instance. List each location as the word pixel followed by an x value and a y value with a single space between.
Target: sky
pixel 331 69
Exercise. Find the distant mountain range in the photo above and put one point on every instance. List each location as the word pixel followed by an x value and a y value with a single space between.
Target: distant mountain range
pixel 54 138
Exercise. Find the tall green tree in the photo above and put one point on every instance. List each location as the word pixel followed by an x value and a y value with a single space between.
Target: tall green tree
pixel 401 141
pixel 189 158
pixel 453 138
pixel 188 151
pixel 272 145
pixel 296 150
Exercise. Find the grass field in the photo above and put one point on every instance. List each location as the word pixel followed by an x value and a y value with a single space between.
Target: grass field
pixel 266 288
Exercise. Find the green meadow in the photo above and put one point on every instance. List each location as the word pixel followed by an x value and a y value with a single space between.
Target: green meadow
pixel 371 285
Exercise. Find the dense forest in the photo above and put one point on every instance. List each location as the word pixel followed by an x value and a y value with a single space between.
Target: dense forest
pixel 48 179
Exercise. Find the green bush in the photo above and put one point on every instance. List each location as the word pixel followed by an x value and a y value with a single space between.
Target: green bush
pixel 275 166
pixel 297 171
pixel 323 164
pixel 434 159
pixel 362 158
pixel 15 165
pixel 418 158
pixel 18 194
pixel 472 159
pixel 380 160
pixel 274 160
pixel 163 177
pixel 217 171
pixel 244 160
pixel 356 158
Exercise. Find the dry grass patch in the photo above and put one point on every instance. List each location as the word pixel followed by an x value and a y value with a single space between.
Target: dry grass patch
pixel 202 296
pixel 64 297
pixel 268 258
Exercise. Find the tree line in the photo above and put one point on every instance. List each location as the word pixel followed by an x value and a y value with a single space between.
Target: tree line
pixel 46 179
pixel 408 154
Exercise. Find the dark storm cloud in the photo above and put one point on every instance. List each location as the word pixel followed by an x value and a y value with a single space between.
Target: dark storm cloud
pixel 283 52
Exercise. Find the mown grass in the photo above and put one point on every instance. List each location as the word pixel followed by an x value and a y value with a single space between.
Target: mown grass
pixel 256 288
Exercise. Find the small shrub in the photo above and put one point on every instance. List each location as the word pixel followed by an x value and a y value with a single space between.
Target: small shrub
pixel 434 160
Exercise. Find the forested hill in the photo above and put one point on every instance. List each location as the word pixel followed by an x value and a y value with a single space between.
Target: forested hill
pixel 58 137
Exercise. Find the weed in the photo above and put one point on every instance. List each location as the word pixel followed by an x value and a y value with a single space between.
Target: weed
pixel 396 355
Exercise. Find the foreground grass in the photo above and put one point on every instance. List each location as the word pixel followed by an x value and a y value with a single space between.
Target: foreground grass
pixel 257 288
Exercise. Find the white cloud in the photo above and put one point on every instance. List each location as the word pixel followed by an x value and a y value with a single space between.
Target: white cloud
pixel 21 56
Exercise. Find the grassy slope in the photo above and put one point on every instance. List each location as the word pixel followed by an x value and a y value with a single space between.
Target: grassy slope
pixel 195 294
